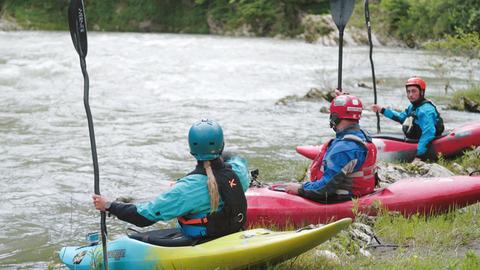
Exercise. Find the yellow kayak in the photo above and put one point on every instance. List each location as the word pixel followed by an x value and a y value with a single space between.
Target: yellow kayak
pixel 251 248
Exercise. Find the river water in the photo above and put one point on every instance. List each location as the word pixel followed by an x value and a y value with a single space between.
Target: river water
pixel 145 92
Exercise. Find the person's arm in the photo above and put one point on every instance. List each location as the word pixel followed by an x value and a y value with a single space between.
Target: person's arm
pixel 128 212
pixel 124 211
pixel 189 194
pixel 338 166
pixel 395 116
pixel 240 167
pixel 426 117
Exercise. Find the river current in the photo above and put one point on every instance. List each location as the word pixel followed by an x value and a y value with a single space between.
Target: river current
pixel 145 92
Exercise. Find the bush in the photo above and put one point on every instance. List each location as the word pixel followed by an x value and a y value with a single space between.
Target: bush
pixel 465 44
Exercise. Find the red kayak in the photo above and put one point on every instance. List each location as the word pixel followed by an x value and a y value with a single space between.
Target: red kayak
pixel 393 147
pixel 408 196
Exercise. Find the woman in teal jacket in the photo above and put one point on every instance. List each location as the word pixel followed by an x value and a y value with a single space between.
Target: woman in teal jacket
pixel 421 120
pixel 208 202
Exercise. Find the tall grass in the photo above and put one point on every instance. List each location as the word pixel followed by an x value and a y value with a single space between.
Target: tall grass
pixel 470 160
pixel 447 241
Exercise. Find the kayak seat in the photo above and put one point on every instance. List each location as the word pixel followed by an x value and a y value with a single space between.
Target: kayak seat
pixel 166 237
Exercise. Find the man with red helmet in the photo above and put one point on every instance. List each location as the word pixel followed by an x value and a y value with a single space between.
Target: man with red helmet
pixel 421 120
pixel 345 166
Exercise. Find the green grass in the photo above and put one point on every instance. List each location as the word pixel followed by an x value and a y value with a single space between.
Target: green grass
pixel 448 241
pixel 469 160
pixel 278 170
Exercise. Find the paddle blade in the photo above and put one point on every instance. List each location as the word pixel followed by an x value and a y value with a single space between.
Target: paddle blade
pixel 78 26
pixel 341 12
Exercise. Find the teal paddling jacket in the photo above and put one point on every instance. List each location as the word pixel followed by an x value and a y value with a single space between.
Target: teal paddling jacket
pixel 188 197
pixel 426 118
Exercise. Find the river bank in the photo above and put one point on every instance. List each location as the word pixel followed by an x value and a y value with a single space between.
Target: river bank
pixel 399 23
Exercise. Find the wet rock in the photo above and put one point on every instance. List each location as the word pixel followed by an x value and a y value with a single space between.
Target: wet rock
pixel 145 26
pixel 459 168
pixel 359 237
pixel 369 85
pixel 436 170
pixel 214 26
pixel 322 29
pixel 389 173
pixel 364 85
pixel 319 29
pixel 315 93
pixel 470 105
pixel 288 99
pixel 217 27
pixel 362 232
pixel 364 252
pixel 9 24
pixel 324 109
pixel 327 254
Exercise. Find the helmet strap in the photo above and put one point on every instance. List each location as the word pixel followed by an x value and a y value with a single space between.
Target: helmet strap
pixel 334 120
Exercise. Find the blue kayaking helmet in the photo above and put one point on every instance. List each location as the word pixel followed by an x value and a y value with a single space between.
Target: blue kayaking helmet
pixel 205 139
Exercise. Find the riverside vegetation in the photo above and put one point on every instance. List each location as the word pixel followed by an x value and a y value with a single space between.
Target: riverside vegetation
pixel 414 22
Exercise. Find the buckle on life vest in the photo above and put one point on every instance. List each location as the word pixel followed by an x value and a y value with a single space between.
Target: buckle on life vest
pixel 342 192
pixel 193 221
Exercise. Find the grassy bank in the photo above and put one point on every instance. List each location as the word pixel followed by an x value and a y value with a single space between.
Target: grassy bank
pixel 449 241
pixel 464 164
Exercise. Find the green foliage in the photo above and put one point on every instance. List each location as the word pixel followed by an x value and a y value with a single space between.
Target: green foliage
pixel 413 168
pixel 262 17
pixel 122 15
pixel 44 15
pixel 465 44
pixel 469 160
pixel 394 13
pixel 413 21
pixel 417 21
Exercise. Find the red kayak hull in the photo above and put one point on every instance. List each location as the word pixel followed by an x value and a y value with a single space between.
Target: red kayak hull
pixel 394 149
pixel 409 196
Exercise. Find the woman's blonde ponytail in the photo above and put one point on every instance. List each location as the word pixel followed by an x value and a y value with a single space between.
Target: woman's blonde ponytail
pixel 212 187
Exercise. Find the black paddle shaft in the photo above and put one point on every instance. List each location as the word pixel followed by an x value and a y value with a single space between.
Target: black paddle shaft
pixel 369 31
pixel 78 31
pixel 341 11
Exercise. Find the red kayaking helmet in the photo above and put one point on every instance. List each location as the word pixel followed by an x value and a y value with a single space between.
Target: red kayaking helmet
pixel 418 82
pixel 345 107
